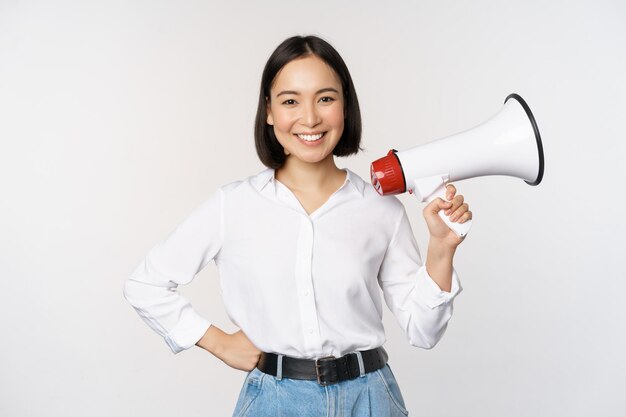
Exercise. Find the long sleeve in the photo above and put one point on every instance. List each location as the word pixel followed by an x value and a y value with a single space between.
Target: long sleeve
pixel 421 308
pixel 152 288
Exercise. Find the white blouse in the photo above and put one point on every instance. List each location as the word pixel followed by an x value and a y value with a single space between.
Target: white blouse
pixel 301 285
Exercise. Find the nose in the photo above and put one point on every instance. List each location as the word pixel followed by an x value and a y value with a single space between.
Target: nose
pixel 310 116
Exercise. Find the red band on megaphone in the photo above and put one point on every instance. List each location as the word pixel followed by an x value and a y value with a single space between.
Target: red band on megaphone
pixel 387 175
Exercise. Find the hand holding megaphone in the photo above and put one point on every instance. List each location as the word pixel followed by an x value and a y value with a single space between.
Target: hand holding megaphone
pixel 442 213
pixel 507 144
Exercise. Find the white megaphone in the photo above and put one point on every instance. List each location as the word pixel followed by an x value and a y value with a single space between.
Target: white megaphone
pixel 506 144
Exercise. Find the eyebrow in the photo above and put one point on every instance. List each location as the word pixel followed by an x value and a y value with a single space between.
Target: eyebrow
pixel 323 90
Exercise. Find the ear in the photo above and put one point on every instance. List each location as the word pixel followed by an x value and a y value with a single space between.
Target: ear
pixel 268 110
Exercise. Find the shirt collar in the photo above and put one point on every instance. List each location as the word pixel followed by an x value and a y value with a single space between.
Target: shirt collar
pixel 265 177
pixel 356 181
pixel 260 180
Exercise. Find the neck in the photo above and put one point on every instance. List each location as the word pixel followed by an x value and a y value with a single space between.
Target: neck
pixel 300 175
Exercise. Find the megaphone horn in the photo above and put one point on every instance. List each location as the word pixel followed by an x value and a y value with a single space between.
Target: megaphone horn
pixel 506 144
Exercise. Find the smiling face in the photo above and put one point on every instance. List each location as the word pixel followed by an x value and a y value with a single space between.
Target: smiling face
pixel 306 108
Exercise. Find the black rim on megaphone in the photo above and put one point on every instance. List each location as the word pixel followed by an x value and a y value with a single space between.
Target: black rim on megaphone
pixel 521 101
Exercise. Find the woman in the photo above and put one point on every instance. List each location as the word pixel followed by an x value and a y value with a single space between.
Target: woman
pixel 303 249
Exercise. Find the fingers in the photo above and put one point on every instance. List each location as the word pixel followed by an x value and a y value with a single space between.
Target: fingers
pixel 465 217
pixel 450 191
pixel 456 207
pixel 462 214
pixel 459 210
pixel 436 205
pixel 457 202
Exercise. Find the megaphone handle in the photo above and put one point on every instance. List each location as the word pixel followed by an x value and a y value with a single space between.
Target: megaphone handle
pixel 460 229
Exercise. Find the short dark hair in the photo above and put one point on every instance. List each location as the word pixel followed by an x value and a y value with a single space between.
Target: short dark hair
pixel 268 148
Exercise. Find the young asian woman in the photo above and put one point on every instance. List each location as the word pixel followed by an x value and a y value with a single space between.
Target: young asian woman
pixel 304 250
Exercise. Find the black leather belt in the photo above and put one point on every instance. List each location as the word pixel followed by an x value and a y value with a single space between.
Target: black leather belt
pixel 328 370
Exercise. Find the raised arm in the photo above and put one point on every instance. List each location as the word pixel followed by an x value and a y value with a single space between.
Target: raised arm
pixel 420 295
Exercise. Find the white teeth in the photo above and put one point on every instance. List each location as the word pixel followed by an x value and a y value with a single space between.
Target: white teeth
pixel 310 138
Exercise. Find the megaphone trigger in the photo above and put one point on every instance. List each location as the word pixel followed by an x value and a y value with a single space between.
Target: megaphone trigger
pixel 425 188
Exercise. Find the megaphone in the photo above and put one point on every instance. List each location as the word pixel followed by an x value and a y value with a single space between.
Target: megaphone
pixel 506 144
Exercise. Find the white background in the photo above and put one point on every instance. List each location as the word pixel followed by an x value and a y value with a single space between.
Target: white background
pixel 117 118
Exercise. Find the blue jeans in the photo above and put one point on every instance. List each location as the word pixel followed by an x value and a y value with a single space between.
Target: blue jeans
pixel 374 394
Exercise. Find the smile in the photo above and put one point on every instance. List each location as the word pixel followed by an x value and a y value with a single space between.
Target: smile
pixel 311 138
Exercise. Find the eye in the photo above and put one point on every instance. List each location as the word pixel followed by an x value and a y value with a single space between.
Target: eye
pixel 289 101
pixel 327 99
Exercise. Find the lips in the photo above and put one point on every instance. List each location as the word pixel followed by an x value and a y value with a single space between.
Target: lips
pixel 310 137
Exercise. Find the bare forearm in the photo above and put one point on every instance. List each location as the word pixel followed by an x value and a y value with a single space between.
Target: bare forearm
pixel 212 340
pixel 235 350
pixel 439 263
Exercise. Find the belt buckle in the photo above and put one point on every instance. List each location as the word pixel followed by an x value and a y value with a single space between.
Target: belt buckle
pixel 317 370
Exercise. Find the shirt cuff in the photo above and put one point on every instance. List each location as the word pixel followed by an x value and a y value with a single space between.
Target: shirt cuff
pixel 188 331
pixel 429 292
